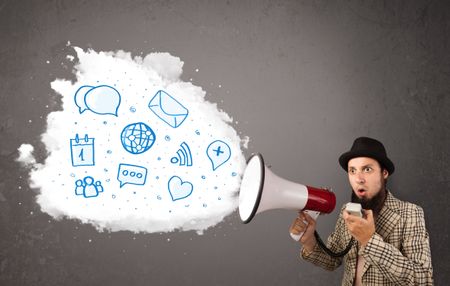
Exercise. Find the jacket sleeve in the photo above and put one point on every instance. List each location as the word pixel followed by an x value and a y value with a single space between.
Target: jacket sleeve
pixel 319 257
pixel 411 265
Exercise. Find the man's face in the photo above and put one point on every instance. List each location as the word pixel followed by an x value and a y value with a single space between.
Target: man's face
pixel 366 178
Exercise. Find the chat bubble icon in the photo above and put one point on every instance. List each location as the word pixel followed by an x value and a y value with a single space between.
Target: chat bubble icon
pixel 80 94
pixel 218 153
pixel 131 174
pixel 103 99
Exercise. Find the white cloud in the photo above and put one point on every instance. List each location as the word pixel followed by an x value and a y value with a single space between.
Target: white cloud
pixel 26 155
pixel 79 167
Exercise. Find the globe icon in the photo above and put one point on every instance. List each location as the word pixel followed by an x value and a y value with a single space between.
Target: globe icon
pixel 137 138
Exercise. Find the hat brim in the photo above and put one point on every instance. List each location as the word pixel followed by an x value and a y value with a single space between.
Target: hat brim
pixel 384 161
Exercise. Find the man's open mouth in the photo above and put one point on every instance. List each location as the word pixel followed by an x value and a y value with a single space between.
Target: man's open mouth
pixel 361 192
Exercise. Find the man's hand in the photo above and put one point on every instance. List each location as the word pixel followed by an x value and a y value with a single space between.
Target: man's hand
pixel 298 226
pixel 361 229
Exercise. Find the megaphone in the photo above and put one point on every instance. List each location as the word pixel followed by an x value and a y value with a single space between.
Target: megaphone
pixel 263 190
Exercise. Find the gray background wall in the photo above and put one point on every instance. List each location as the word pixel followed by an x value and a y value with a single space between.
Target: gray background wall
pixel 302 78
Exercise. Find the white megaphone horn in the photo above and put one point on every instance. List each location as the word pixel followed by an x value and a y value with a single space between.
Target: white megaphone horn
pixel 262 190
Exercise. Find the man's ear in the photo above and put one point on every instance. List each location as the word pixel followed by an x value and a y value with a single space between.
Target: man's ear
pixel 385 173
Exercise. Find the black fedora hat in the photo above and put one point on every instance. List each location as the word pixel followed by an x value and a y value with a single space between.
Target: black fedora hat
pixel 367 147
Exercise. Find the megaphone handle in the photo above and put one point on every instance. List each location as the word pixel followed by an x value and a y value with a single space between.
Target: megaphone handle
pixel 312 214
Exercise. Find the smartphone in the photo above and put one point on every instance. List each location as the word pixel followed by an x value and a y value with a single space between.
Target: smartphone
pixel 354 209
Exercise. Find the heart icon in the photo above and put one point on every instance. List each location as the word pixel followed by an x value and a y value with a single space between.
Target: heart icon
pixel 178 189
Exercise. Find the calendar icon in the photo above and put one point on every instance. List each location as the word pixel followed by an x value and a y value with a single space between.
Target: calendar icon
pixel 82 151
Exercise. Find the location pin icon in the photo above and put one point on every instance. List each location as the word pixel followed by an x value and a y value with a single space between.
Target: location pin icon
pixel 218 153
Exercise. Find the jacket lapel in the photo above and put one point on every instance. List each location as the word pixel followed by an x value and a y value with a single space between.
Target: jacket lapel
pixel 387 219
pixel 352 254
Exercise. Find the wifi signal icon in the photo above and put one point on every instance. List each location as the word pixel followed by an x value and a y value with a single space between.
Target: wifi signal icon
pixel 184 156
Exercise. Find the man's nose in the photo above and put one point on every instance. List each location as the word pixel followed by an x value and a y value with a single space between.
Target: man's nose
pixel 360 179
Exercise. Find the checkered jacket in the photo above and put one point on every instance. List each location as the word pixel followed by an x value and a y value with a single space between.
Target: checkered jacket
pixel 397 254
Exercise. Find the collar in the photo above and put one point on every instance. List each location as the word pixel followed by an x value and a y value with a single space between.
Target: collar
pixel 388 216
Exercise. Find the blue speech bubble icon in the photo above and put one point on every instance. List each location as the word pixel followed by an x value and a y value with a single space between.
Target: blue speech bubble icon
pixel 79 97
pixel 103 99
pixel 218 153
pixel 131 174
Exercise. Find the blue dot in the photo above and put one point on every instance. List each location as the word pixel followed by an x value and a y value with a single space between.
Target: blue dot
pixel 203 177
pixel 133 109
pixel 167 138
pixel 234 174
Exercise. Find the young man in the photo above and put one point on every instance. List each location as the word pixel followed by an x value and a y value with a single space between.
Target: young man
pixel 391 244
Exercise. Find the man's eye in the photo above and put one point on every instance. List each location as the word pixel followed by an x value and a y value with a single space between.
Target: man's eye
pixel 367 169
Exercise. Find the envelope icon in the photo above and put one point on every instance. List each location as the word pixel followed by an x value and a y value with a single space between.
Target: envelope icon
pixel 168 109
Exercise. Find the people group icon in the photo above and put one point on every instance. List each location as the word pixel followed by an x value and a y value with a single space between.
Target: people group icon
pixel 88 187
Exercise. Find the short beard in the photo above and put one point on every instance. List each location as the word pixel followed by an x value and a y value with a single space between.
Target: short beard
pixel 375 204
